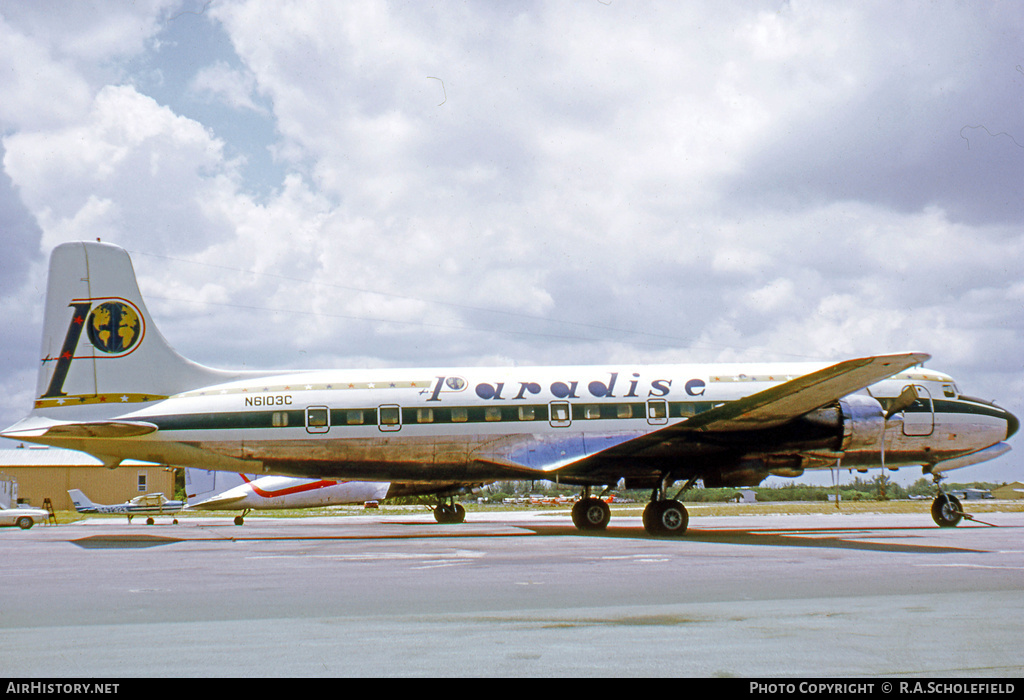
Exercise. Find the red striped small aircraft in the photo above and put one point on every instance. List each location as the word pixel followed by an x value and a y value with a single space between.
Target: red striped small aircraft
pixel 219 490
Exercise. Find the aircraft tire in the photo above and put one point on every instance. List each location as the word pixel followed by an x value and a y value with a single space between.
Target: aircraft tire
pixel 947 511
pixel 24 522
pixel 150 521
pixel 591 514
pixel 239 520
pixel 450 515
pixel 667 517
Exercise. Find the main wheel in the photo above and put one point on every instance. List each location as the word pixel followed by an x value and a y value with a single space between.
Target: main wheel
pixel 591 514
pixel 450 514
pixel 666 518
pixel 24 522
pixel 947 511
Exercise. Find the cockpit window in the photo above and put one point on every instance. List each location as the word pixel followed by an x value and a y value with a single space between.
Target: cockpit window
pixel 949 391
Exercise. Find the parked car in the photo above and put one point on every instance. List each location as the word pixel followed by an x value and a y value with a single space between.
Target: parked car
pixel 22 516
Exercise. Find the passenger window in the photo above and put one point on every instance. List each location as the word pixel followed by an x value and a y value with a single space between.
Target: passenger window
pixel 657 411
pixel 623 410
pixel 389 415
pixel 318 419
pixel 527 413
pixel 460 415
pixel 354 418
pixel 559 414
pixel 492 413
pixel 424 415
pixel 279 419
pixel 591 412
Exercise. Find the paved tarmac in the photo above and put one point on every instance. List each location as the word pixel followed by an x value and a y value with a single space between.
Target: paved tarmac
pixel 520 594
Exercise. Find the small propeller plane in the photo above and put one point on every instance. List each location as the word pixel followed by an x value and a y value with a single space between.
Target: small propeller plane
pixel 110 385
pixel 148 504
pixel 219 490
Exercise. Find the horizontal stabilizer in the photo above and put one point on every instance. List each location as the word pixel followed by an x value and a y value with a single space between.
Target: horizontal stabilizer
pixel 91 429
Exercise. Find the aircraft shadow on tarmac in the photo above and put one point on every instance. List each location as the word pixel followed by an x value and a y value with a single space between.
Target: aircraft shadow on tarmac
pixel 825 538
pixel 132 541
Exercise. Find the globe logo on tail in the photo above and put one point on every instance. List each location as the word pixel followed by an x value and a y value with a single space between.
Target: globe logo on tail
pixel 114 327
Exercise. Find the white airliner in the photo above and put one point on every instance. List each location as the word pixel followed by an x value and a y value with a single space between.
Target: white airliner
pixel 110 385
pixel 220 490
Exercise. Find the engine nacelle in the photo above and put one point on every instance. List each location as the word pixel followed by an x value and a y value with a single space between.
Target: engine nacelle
pixel 863 423
pixel 749 472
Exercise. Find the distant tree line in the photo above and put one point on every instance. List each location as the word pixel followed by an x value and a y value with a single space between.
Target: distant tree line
pixel 876 488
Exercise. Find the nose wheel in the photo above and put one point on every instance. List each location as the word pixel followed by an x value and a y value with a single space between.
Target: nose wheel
pixel 947 511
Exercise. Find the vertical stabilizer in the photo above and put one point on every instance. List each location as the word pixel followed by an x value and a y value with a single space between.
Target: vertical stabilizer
pixel 100 346
pixel 81 501
pixel 201 484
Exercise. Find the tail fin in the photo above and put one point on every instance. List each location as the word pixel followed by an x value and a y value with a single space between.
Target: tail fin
pixel 100 345
pixel 201 484
pixel 81 501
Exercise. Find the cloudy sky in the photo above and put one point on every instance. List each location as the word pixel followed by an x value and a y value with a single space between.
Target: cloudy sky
pixel 360 184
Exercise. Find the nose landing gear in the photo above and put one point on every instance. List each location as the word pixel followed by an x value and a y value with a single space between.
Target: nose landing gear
pixel 946 510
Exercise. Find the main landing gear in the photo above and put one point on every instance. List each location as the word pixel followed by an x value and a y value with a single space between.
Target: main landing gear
pixel 667 516
pixel 450 513
pixel 662 516
pixel 590 512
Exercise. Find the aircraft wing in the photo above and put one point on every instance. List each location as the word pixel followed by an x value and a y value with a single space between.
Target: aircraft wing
pixel 765 409
pixel 781 404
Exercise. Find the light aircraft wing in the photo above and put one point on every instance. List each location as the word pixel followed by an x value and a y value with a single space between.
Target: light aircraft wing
pixel 766 409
